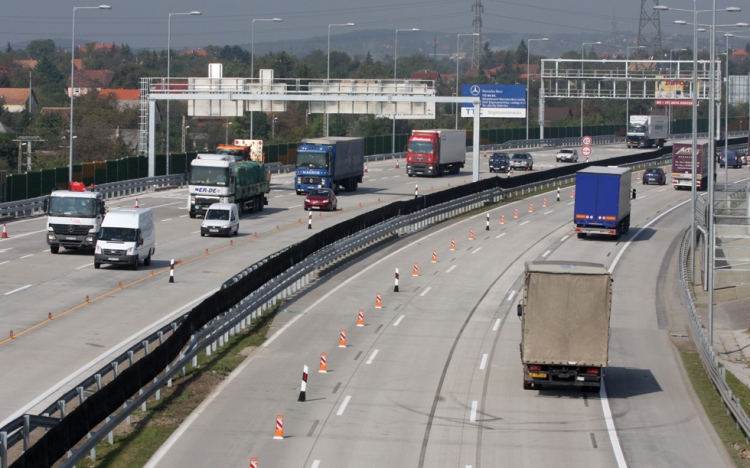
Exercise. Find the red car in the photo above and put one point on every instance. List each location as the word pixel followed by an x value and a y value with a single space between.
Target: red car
pixel 321 199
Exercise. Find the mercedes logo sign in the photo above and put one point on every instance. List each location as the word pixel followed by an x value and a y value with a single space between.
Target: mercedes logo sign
pixel 475 90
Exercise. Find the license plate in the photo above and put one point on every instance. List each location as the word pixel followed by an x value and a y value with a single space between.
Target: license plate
pixel 70 238
pixel 315 207
pixel 214 230
pixel 112 259
pixel 538 375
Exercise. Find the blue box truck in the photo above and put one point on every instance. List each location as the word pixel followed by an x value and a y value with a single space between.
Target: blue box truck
pixel 330 162
pixel 602 201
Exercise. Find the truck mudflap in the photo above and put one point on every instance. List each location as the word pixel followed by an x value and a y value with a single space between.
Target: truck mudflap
pixel 571 376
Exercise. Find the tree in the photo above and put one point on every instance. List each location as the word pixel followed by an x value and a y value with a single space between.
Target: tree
pixel 521 52
pixel 41 48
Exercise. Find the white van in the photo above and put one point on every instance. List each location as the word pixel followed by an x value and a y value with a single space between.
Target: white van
pixel 127 237
pixel 221 219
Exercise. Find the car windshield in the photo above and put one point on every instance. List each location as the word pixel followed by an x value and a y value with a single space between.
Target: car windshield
pixel 312 160
pixel 566 151
pixel 499 157
pixel 520 156
pixel 115 234
pixel 221 215
pixel 318 193
pixel 420 147
pixel 72 206
pixel 652 171
pixel 200 175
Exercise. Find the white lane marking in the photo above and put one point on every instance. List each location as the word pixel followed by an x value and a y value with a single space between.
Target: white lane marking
pixel 183 216
pixel 5 250
pixel 16 236
pixel 450 269
pixel 396 176
pixel 571 203
pixel 84 266
pixel 315 464
pixel 548 212
pixel 45 250
pixel 512 293
pixel 611 427
pixel 484 362
pixel 661 190
pixel 195 232
pixel 343 405
pixel 501 235
pixel 372 356
pixel 395 324
pixel 277 196
pixel 3 263
pixel 383 178
pixel 27 256
pixel 159 206
pixel 476 250
pixel 425 291
pixel 16 290
pixel 563 238
pixel 168 219
pixel 182 208
pixel 473 416
pixel 295 206
pixel 546 253
pixel 523 223
pixel 497 325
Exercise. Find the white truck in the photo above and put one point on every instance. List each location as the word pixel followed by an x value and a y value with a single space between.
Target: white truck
pixel 565 314
pixel 647 131
pixel 74 218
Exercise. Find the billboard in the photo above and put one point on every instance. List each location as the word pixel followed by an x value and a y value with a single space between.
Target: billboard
pixel 500 101
pixel 672 89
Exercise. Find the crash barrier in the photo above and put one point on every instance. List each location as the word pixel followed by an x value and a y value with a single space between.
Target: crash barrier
pixel 97 408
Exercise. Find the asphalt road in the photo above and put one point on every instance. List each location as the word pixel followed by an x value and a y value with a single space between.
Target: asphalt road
pixel 434 377
pixel 49 356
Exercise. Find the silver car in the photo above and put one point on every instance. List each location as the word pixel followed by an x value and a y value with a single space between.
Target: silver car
pixel 522 161
pixel 569 155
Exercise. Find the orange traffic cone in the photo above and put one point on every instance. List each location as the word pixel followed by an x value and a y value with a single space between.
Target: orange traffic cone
pixel 5 233
pixel 502 219
pixel 361 318
pixel 639 176
pixel 397 166
pixel 136 203
pixel 515 213
pixel 572 193
pixel 366 170
pixel 471 234
pixel 415 270
pixel 531 207
pixel 378 301
pixel 453 244
pixel 544 203
pixel 323 363
pixel 434 256
pixel 279 427
pixel 342 338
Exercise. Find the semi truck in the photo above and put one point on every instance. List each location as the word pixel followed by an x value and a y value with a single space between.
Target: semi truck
pixel 602 201
pixel 74 218
pixel 243 150
pixel 330 162
pixel 682 164
pixel 565 313
pixel 647 131
pixel 435 152
pixel 218 178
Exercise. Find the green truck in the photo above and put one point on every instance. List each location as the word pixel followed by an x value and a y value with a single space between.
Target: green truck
pixel 218 178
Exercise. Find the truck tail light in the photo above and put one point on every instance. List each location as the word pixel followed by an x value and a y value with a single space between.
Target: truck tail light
pixel 592 370
pixel 611 231
pixel 535 368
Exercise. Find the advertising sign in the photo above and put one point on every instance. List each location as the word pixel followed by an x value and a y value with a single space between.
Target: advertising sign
pixel 502 101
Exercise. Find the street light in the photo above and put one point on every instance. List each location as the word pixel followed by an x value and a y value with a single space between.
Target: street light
pixel 169 60
pixel 627 83
pixel 458 37
pixel 528 73
pixel 582 58
pixel 328 66
pixel 252 57
pixel 226 132
pixel 72 84
pixel 395 64
pixel 273 127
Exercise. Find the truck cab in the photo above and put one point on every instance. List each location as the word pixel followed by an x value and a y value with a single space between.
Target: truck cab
pixel 211 181
pixel 74 218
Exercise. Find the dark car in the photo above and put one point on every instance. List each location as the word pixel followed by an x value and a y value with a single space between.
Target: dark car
pixel 522 161
pixel 735 160
pixel 321 199
pixel 654 175
pixel 499 162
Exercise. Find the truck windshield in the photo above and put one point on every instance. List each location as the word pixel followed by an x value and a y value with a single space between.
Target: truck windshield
pixel 420 147
pixel 637 129
pixel 208 176
pixel 72 206
pixel 115 234
pixel 312 160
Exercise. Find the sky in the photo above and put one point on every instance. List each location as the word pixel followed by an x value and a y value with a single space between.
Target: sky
pixel 143 23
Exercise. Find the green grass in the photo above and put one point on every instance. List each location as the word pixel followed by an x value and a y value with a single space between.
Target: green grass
pixel 714 407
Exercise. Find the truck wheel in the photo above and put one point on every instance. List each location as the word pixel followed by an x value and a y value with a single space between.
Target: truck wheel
pixel 192 215
pixel 336 189
pixel 54 248
pixel 354 186
pixel 262 202
pixel 581 235
pixel 147 260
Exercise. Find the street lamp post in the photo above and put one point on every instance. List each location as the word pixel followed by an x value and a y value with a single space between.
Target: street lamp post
pixel 582 86
pixel 169 60
pixel 328 65
pixel 226 132
pixel 72 81
pixel 669 108
pixel 252 57
pixel 726 121
pixel 273 127
pixel 627 83
pixel 395 65
pixel 528 73
pixel 458 37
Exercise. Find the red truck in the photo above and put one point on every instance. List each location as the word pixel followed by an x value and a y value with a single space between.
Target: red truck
pixel 435 152
pixel 682 164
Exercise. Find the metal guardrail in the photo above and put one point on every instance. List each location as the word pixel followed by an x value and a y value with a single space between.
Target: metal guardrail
pixel 708 356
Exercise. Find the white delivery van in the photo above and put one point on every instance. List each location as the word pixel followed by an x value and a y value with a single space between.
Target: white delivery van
pixel 127 237
pixel 221 219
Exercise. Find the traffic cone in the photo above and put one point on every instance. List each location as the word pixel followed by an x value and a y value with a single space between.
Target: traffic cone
pixel 5 233
pixel 572 193
pixel 502 219
pixel 303 387
pixel 366 170
pixel 361 318
pixel 453 244
pixel 323 363
pixel 639 176
pixel 342 338
pixel 279 427
pixel 544 203
pixel 485 154
pixel 531 207
pixel 136 203
pixel 434 256
pixel 397 166
pixel 515 213
pixel 378 301
pixel 253 462
pixel 415 270
pixel 471 234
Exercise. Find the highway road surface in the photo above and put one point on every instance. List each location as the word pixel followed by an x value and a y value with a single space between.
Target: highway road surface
pixel 434 377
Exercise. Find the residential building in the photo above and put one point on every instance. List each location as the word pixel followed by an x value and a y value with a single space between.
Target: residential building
pixel 18 100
